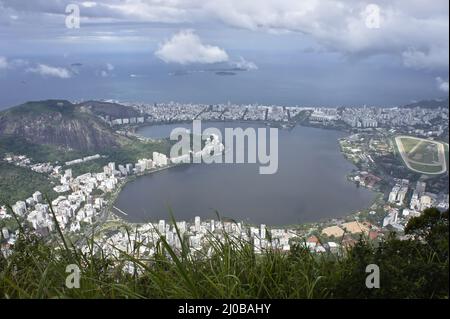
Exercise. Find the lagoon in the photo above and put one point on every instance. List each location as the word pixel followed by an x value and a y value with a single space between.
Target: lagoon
pixel 310 184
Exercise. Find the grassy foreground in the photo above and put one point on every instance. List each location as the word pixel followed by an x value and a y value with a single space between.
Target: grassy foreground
pixel 416 268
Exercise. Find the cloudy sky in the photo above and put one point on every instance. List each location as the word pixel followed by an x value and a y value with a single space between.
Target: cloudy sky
pixel 328 52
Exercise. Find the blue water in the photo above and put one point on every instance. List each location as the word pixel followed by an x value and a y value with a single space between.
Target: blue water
pixel 310 185
pixel 280 79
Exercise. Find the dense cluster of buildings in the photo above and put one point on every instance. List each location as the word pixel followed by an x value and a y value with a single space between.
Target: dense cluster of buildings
pixel 420 121
pixel 196 235
pixel 24 161
pixel 372 117
pixel 179 112
pixel 406 202
pixel 361 118
pixel 76 203
pixel 324 115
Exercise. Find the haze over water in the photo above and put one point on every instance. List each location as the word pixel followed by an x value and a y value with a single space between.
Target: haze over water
pixel 310 184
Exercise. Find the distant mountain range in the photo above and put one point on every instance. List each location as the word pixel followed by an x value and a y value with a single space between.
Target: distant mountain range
pixel 63 124
pixel 429 104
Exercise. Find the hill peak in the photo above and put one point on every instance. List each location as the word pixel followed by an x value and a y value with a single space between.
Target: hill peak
pixel 60 123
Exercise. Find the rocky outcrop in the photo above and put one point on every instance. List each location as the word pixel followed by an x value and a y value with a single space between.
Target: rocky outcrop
pixel 59 123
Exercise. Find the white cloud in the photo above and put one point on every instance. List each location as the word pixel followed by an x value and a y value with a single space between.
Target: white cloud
pixel 89 4
pixel 186 47
pixel 107 71
pixel 12 64
pixel 134 76
pixel 3 63
pixel 442 84
pixel 46 70
pixel 337 25
pixel 343 25
pixel 244 64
